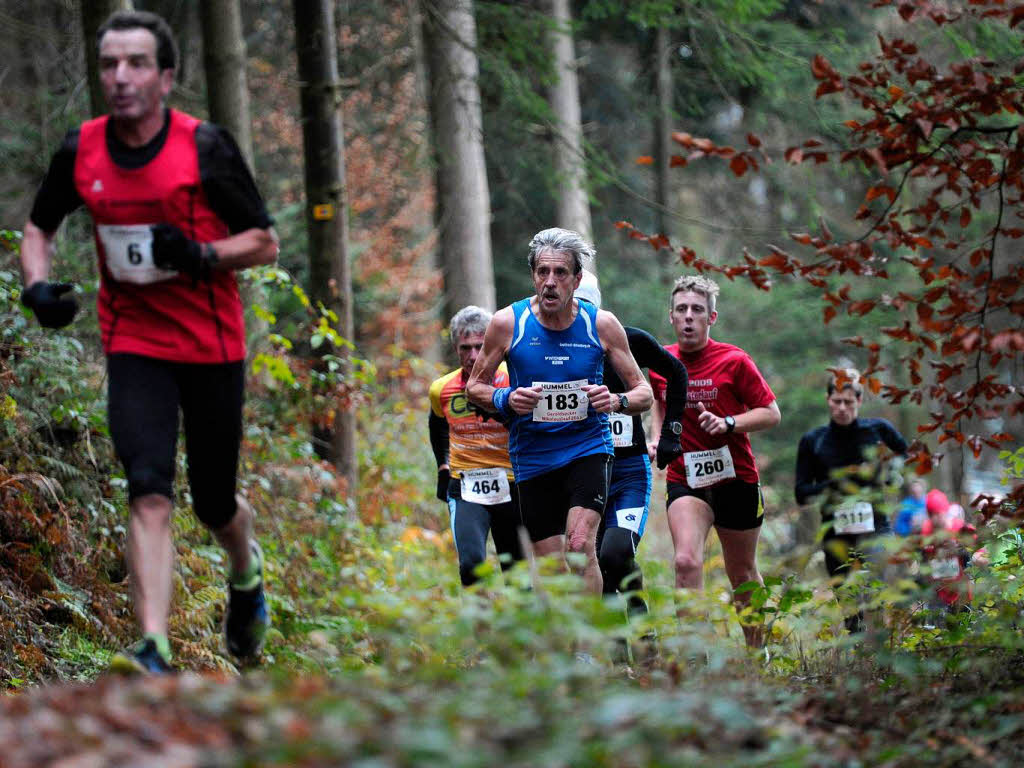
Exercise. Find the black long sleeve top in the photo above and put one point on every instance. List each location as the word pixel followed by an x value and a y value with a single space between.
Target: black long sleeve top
pixel 649 353
pixel 832 447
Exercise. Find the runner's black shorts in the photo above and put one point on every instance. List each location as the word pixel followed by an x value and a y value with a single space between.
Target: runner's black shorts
pixel 145 396
pixel 736 505
pixel 544 500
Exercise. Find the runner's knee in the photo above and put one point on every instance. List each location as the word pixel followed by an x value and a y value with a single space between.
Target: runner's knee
pixel 152 509
pixel 688 565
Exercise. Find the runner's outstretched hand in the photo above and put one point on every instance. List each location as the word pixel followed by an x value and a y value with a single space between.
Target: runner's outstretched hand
pixel 47 300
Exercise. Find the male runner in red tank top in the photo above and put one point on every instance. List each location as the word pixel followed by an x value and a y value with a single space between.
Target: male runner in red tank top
pixel 715 480
pixel 175 212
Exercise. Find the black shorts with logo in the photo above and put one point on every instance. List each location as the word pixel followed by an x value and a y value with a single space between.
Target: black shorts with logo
pixel 545 500
pixel 736 505
pixel 148 398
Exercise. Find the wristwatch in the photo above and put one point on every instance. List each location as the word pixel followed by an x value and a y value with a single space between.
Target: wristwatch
pixel 730 423
pixel 675 428
pixel 623 403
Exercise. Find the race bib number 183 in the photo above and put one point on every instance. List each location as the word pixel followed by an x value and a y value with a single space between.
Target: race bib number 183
pixel 561 401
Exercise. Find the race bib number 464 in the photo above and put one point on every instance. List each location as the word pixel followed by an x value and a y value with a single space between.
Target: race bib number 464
pixel 129 253
pixel 561 401
pixel 485 486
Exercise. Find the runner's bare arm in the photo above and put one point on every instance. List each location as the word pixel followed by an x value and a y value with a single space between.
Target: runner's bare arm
pixel 616 347
pixel 37 248
pixel 754 420
pixel 497 338
pixel 249 248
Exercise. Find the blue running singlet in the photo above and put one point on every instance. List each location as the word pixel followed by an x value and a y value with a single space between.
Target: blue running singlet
pixel 566 360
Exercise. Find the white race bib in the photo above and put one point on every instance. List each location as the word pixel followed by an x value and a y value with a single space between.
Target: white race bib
pixel 129 253
pixel 704 468
pixel 621 425
pixel 854 517
pixel 485 486
pixel 945 568
pixel 561 401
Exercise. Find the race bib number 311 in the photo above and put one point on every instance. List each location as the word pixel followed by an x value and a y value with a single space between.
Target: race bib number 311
pixel 857 517
pixel 129 253
pixel 561 401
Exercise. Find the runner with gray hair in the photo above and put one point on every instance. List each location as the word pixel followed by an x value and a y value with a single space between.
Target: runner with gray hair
pixel 474 476
pixel 557 404
pixel 468 321
pixel 562 241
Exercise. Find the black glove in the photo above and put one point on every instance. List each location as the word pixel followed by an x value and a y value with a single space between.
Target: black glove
pixel 668 448
pixel 443 476
pixel 45 300
pixel 484 414
pixel 172 250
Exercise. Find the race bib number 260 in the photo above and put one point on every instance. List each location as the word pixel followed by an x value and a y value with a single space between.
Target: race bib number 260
pixel 704 468
pixel 129 253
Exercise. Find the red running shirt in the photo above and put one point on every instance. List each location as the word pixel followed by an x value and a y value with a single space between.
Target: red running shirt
pixel 171 319
pixel 725 379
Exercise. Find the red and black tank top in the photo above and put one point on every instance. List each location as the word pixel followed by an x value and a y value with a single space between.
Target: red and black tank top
pixel 169 318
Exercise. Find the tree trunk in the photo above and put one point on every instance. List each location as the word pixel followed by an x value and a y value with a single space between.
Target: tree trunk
pixel 224 58
pixel 464 208
pixel 662 136
pixel 190 34
pixel 573 205
pixel 433 353
pixel 330 279
pixel 94 13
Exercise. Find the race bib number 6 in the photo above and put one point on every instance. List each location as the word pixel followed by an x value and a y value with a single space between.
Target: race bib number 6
pixel 561 401
pixel 485 486
pixel 129 253
pixel 704 468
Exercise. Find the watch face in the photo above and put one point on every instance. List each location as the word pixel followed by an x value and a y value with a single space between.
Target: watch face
pixel 730 422
pixel 623 402
pixel 676 427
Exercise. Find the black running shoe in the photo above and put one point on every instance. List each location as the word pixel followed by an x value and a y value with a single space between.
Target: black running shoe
pixel 143 659
pixel 248 616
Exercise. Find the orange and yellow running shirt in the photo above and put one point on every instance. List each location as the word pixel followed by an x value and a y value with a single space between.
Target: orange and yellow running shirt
pixel 473 442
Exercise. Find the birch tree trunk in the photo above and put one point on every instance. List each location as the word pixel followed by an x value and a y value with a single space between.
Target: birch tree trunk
pixel 572 205
pixel 330 277
pixel 94 13
pixel 464 208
